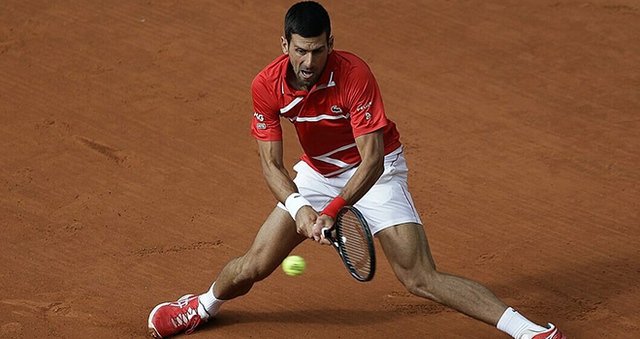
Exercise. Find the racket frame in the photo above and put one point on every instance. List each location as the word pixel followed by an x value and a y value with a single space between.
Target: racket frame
pixel 339 246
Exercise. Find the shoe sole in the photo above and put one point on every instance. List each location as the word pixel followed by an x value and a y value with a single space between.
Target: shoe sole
pixel 152 328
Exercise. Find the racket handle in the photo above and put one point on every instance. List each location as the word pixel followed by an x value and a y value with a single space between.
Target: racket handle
pixel 326 232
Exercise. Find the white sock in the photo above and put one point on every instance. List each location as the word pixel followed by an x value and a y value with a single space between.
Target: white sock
pixel 515 324
pixel 209 304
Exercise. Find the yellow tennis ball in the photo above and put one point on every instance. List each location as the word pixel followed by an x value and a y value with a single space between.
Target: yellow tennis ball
pixel 294 265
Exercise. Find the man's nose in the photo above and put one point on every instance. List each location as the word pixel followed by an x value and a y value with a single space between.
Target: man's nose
pixel 307 60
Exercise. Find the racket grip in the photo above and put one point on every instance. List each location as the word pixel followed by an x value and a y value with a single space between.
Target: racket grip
pixel 326 232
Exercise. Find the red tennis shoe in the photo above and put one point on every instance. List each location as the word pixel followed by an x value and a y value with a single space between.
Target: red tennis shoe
pixel 175 317
pixel 550 333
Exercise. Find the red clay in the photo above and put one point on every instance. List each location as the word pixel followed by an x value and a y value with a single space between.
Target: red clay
pixel 129 177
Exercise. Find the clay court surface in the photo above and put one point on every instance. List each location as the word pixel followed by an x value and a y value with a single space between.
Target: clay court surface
pixel 128 175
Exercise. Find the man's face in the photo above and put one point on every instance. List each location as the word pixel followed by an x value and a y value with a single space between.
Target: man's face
pixel 308 57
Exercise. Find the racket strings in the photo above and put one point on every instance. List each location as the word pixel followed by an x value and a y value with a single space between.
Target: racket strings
pixel 355 244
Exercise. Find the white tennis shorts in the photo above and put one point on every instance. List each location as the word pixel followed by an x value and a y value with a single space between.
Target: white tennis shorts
pixel 388 203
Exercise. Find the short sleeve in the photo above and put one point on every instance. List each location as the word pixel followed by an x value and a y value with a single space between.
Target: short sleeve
pixel 365 101
pixel 265 125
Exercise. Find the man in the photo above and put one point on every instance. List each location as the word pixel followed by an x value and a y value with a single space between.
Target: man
pixel 352 156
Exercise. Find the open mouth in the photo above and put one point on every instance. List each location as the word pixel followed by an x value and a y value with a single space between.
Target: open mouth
pixel 306 74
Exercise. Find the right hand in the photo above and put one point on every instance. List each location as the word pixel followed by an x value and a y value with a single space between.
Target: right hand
pixel 305 219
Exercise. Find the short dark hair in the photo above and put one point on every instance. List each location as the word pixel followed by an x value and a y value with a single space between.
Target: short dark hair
pixel 307 19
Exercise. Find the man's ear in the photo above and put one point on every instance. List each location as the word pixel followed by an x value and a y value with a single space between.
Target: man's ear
pixel 284 45
pixel 330 44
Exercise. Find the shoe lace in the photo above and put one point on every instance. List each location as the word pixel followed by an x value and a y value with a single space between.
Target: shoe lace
pixel 189 319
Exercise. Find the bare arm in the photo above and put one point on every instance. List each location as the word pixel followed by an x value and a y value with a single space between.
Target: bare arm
pixel 371 148
pixel 276 175
pixel 281 184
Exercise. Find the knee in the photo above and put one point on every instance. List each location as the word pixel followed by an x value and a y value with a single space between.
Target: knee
pixel 415 285
pixel 421 284
pixel 250 270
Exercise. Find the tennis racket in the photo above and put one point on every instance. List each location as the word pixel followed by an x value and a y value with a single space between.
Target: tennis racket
pixel 351 237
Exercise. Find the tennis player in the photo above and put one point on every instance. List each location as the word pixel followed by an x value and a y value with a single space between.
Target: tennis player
pixel 352 156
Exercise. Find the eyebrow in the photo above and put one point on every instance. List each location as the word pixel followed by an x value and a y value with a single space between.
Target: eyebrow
pixel 312 50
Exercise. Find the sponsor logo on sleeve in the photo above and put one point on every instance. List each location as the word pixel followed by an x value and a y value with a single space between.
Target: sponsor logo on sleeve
pixel 260 125
pixel 364 107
